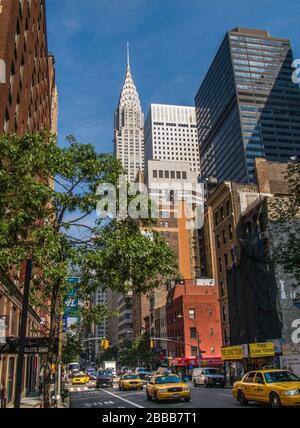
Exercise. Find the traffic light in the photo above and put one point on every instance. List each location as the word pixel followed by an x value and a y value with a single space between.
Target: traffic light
pixel 152 344
pixel 105 344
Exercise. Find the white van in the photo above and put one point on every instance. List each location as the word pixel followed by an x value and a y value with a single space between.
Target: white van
pixel 208 377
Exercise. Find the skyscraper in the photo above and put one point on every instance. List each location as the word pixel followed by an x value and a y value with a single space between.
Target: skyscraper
pixel 248 106
pixel 129 128
pixel 171 135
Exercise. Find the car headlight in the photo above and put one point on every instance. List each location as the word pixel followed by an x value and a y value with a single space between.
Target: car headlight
pixel 291 392
pixel 163 390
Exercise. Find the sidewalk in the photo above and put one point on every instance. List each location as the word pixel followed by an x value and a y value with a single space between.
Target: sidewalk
pixel 27 403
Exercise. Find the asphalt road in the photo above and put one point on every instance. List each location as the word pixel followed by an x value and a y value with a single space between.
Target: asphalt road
pixel 90 397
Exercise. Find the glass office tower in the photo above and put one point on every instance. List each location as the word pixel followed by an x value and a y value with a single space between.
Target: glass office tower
pixel 248 106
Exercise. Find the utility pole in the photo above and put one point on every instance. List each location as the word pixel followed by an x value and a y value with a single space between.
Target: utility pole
pixel 23 328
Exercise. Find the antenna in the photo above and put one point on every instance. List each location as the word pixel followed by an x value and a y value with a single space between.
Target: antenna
pixel 128 55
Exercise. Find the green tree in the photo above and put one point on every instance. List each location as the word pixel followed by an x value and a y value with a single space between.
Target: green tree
pixel 72 349
pixel 47 213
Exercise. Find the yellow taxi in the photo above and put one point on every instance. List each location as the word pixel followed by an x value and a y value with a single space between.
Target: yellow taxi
pixel 279 388
pixel 167 387
pixel 80 379
pixel 130 381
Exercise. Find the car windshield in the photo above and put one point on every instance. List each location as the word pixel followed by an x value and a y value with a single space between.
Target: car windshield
pixel 167 379
pixel 104 374
pixel 212 371
pixel 275 377
pixel 128 377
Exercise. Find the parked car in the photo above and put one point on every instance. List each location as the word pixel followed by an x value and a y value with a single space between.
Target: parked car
pixel 104 378
pixel 130 381
pixel 279 388
pixel 168 387
pixel 208 377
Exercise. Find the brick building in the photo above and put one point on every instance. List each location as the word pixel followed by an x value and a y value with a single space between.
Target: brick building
pixel 27 96
pixel 229 208
pixel 28 103
pixel 193 322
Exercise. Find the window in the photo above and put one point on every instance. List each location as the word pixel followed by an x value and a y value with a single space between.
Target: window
pixel 218 241
pixel 216 217
pixel 259 378
pixel 178 175
pixel 224 237
pixel 172 174
pixel 222 289
pixel 193 333
pixel 192 314
pixel 184 175
pixel 211 331
pixel 154 174
pixel 161 174
pixel 220 264
pixel 224 313
pixel 249 378
pixel 222 213
pixel 230 231
pixel 194 351
pixel 167 174
pixel 210 311
pixel 226 260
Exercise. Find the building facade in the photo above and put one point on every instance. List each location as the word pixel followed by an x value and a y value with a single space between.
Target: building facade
pixel 99 331
pixel 129 129
pixel 238 237
pixel 248 106
pixel 173 188
pixel 27 94
pixel 28 103
pixel 193 322
pixel 171 135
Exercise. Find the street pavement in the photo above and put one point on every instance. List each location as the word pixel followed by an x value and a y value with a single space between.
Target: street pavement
pixel 90 397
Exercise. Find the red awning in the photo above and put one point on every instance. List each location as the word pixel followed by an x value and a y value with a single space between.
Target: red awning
pixel 193 361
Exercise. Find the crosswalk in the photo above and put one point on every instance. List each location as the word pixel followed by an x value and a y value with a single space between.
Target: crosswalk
pixel 87 389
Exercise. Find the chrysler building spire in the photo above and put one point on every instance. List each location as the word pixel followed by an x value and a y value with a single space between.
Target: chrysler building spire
pixel 128 56
pixel 129 127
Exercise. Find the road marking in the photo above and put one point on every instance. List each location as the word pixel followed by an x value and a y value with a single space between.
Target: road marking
pixel 121 398
pixel 226 395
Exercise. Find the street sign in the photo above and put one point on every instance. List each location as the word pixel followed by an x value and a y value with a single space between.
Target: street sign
pixel 32 345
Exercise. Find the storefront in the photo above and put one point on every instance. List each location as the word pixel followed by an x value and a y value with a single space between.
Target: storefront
pixel 185 366
pixel 234 359
pixel 261 355
pixel 238 360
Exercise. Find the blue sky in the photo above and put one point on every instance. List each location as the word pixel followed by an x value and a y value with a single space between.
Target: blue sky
pixel 172 45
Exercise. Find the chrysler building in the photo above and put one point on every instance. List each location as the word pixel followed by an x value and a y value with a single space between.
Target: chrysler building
pixel 129 128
